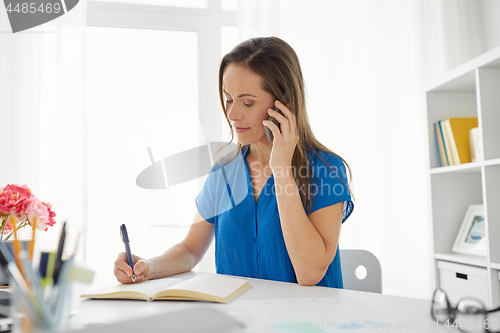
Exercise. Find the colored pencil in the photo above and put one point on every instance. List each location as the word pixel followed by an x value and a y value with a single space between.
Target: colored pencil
pixel 16 247
pixel 32 243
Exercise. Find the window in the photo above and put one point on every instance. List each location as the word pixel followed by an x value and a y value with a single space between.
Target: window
pixel 149 72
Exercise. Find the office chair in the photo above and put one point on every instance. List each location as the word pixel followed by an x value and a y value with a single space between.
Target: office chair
pixel 350 260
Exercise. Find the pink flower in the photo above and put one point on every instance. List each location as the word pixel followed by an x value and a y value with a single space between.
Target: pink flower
pixel 14 197
pixel 42 212
pixel 51 221
pixel 8 227
pixel 20 201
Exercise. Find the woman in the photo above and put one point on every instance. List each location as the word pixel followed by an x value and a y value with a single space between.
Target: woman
pixel 287 228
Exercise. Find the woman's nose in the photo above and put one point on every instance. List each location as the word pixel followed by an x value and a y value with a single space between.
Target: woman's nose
pixel 234 113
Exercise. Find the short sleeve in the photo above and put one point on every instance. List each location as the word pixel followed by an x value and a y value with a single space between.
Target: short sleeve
pixel 205 201
pixel 330 185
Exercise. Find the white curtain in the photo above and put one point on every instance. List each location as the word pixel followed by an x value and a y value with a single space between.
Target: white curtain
pixel 42 116
pixel 366 64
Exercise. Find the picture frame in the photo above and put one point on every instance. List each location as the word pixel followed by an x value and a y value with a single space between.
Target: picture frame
pixel 472 238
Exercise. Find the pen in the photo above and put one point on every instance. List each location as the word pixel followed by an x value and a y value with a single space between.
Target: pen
pixel 19 284
pixel 130 260
pixel 61 307
pixel 58 264
pixel 35 281
pixel 47 263
pixel 17 281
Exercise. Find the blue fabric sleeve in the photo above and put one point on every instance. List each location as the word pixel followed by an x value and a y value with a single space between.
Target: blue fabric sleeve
pixel 205 201
pixel 331 186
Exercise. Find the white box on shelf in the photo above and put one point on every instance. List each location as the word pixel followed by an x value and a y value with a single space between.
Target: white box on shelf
pixel 459 280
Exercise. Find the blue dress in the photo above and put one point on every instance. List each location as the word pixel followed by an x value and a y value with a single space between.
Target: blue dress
pixel 248 237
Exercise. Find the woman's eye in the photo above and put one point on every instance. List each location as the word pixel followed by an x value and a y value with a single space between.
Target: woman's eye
pixel 230 101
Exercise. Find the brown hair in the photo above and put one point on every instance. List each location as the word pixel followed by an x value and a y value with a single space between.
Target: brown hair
pixel 278 65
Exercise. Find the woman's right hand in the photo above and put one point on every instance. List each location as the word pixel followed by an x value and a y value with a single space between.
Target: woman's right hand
pixel 123 272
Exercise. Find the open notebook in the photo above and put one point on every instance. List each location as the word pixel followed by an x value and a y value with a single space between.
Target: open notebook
pixel 207 287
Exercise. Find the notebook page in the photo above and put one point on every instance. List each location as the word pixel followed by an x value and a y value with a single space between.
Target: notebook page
pixel 148 288
pixel 213 284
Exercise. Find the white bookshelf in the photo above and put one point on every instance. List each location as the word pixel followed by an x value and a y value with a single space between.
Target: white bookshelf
pixel 470 90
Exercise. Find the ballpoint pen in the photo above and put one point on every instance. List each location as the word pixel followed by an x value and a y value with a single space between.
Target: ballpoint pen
pixel 60 294
pixel 130 260
pixel 60 249
pixel 18 283
pixel 37 291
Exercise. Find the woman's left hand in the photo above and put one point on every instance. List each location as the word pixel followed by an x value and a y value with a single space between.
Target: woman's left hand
pixel 284 141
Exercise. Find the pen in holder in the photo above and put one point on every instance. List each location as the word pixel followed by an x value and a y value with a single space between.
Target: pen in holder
pixel 34 308
pixel 40 304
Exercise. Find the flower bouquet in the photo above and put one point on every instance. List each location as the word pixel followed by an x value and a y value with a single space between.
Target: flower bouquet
pixel 18 205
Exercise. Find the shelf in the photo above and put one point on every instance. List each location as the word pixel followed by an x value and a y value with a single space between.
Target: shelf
pixel 463 259
pixel 469 90
pixel 465 168
pixel 465 84
pixel 461 78
pixel 496 161
pixel 461 168
pixel 493 64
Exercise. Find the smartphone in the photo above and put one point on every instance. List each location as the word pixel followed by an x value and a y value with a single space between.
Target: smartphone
pixel 277 123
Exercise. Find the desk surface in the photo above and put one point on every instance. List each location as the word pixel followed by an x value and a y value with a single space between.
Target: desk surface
pixel 271 306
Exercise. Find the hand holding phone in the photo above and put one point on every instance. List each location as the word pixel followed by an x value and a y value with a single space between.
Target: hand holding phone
pixel 277 123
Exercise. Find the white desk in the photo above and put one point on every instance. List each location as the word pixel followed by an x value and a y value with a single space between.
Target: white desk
pixel 279 314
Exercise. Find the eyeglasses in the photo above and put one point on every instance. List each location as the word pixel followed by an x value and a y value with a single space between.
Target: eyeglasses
pixel 470 314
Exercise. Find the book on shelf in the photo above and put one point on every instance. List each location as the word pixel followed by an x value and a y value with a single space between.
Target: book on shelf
pixel 452 155
pixel 206 287
pixel 454 140
pixel 446 142
pixel 440 143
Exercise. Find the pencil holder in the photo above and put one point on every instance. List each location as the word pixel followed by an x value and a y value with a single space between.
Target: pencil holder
pixel 18 313
pixel 29 315
pixel 63 308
